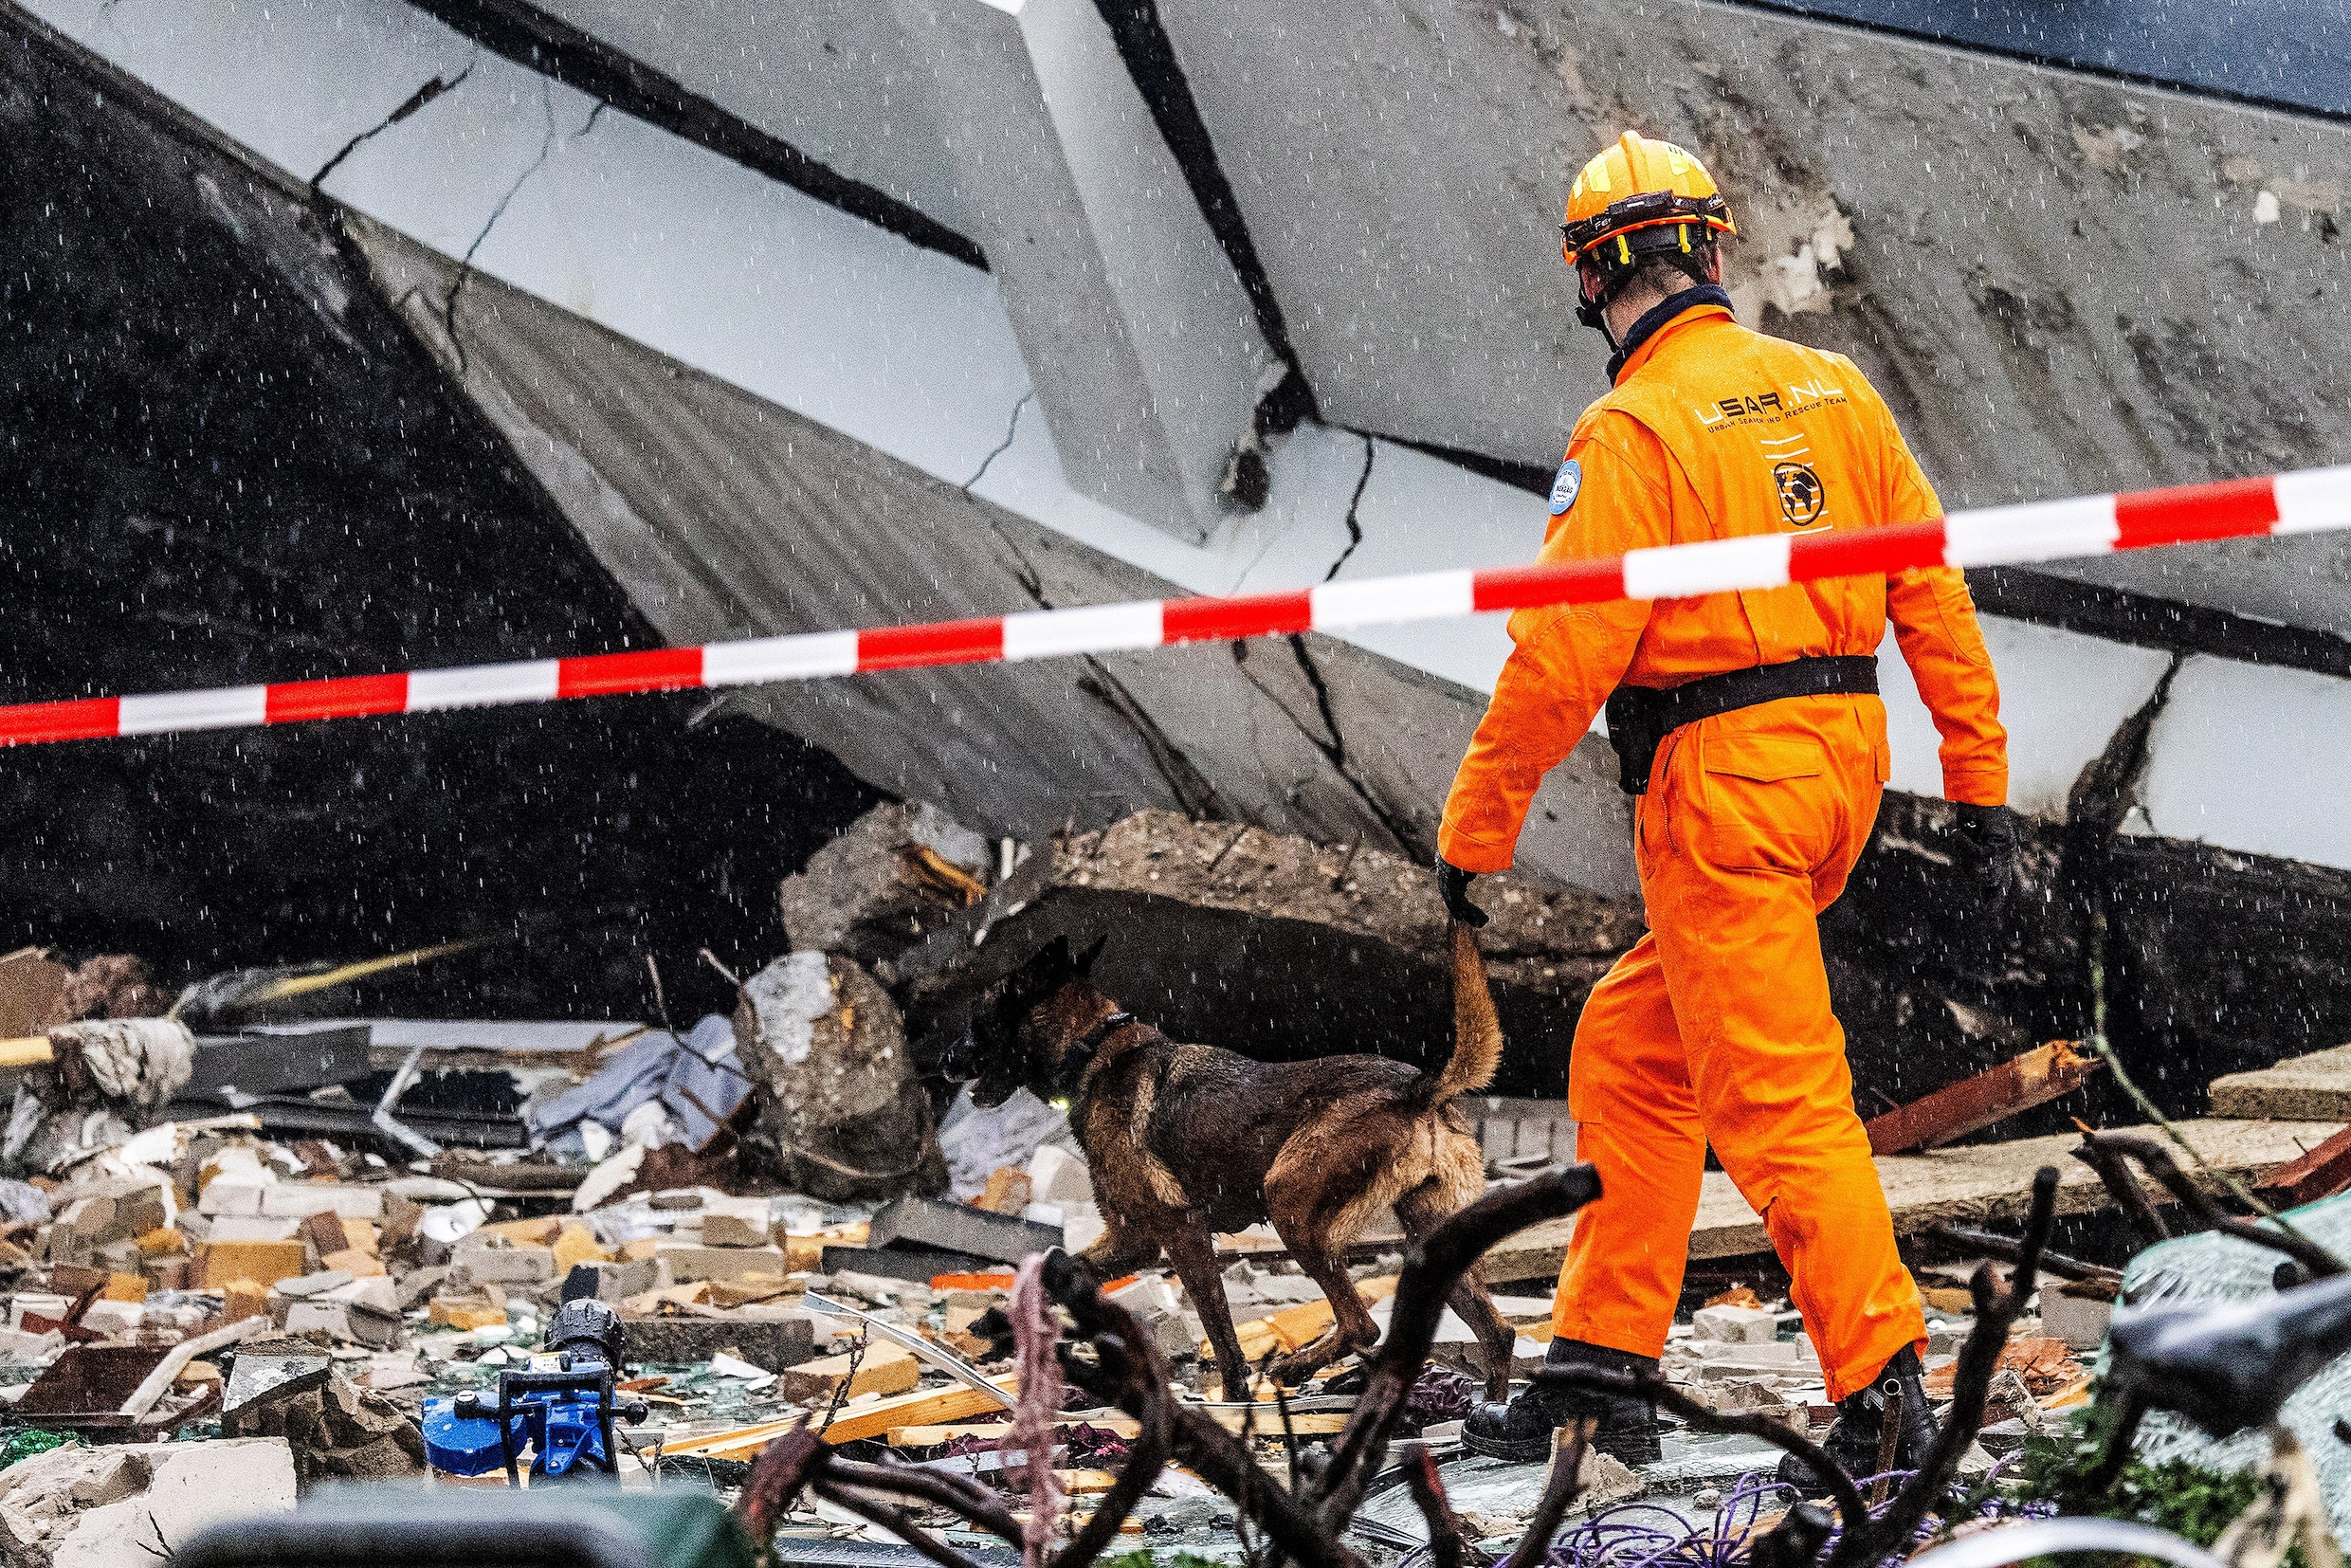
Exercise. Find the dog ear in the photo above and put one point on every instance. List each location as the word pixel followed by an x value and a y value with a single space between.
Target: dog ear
pixel 1050 960
pixel 1086 959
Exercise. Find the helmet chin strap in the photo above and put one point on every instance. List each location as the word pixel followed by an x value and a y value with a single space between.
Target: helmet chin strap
pixel 1594 313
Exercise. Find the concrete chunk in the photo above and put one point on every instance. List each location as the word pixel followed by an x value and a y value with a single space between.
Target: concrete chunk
pixel 826 1041
pixel 138 1502
pixel 302 1199
pixel 610 1282
pixel 2316 1087
pixel 226 1196
pixel 771 1343
pixel 688 1261
pixel 1058 1175
pixel 1155 1302
pixel 263 1261
pixel 257 1377
pixel 1745 1325
pixel 958 1228
pixel 736 1222
pixel 508 1265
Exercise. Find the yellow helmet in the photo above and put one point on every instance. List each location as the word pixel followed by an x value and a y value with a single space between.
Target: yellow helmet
pixel 1636 200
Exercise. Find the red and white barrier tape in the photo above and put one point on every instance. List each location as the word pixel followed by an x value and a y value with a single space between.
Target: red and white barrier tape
pixel 2312 501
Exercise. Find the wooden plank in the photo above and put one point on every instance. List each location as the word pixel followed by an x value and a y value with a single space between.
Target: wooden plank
pixel 1971 1184
pixel 956 1403
pixel 879 1368
pixel 1295 1327
pixel 1311 1424
pixel 738 1444
pixel 26 1051
pixel 2316 1087
pixel 1974 1103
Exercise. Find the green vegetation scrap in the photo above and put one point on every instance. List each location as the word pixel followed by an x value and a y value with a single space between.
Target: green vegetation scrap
pixel 2186 1499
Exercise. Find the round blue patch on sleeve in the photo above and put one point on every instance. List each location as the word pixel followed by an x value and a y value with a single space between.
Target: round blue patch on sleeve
pixel 1566 487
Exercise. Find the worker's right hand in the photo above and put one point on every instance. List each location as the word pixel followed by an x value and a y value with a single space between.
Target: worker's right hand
pixel 1987 837
pixel 1453 886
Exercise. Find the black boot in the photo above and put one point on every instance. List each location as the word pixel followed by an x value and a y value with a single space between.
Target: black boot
pixel 1521 1431
pixel 1858 1435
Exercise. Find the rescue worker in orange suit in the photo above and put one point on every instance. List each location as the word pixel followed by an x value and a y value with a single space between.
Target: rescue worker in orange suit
pixel 1748 727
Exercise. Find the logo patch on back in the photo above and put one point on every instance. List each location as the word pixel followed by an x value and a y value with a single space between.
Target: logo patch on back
pixel 1565 488
pixel 1801 496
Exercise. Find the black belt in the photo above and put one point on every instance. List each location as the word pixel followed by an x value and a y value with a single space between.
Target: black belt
pixel 1640 717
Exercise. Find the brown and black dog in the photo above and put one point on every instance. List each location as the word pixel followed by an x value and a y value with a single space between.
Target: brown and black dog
pixel 1185 1141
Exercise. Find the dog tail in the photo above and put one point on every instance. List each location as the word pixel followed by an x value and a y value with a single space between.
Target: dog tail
pixel 1477 1030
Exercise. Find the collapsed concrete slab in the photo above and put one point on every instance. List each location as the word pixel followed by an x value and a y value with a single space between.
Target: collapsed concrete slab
pixel 1306 735
pixel 2063 283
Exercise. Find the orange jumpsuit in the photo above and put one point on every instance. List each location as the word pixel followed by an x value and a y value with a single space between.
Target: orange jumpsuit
pixel 1717 1028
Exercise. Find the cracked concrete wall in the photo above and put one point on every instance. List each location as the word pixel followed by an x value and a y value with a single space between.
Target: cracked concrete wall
pixel 2061 283
pixel 2064 283
pixel 731 517
pixel 833 78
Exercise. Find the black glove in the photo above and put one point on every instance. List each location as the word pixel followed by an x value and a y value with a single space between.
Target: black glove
pixel 1987 836
pixel 1453 887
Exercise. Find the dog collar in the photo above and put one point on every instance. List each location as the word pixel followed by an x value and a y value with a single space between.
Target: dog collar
pixel 1081 1056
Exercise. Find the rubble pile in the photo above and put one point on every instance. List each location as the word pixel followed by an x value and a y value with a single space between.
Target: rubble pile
pixel 780 1217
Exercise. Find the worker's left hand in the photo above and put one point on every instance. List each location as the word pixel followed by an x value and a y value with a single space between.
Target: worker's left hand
pixel 1453 887
pixel 1987 837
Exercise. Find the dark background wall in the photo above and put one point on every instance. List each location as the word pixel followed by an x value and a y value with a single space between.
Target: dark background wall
pixel 226 460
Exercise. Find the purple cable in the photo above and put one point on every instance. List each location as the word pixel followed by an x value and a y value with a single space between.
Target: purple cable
pixel 1645 1535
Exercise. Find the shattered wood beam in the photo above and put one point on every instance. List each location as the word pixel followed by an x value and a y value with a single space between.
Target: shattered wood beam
pixel 2035 1078
pixel 2321 1173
